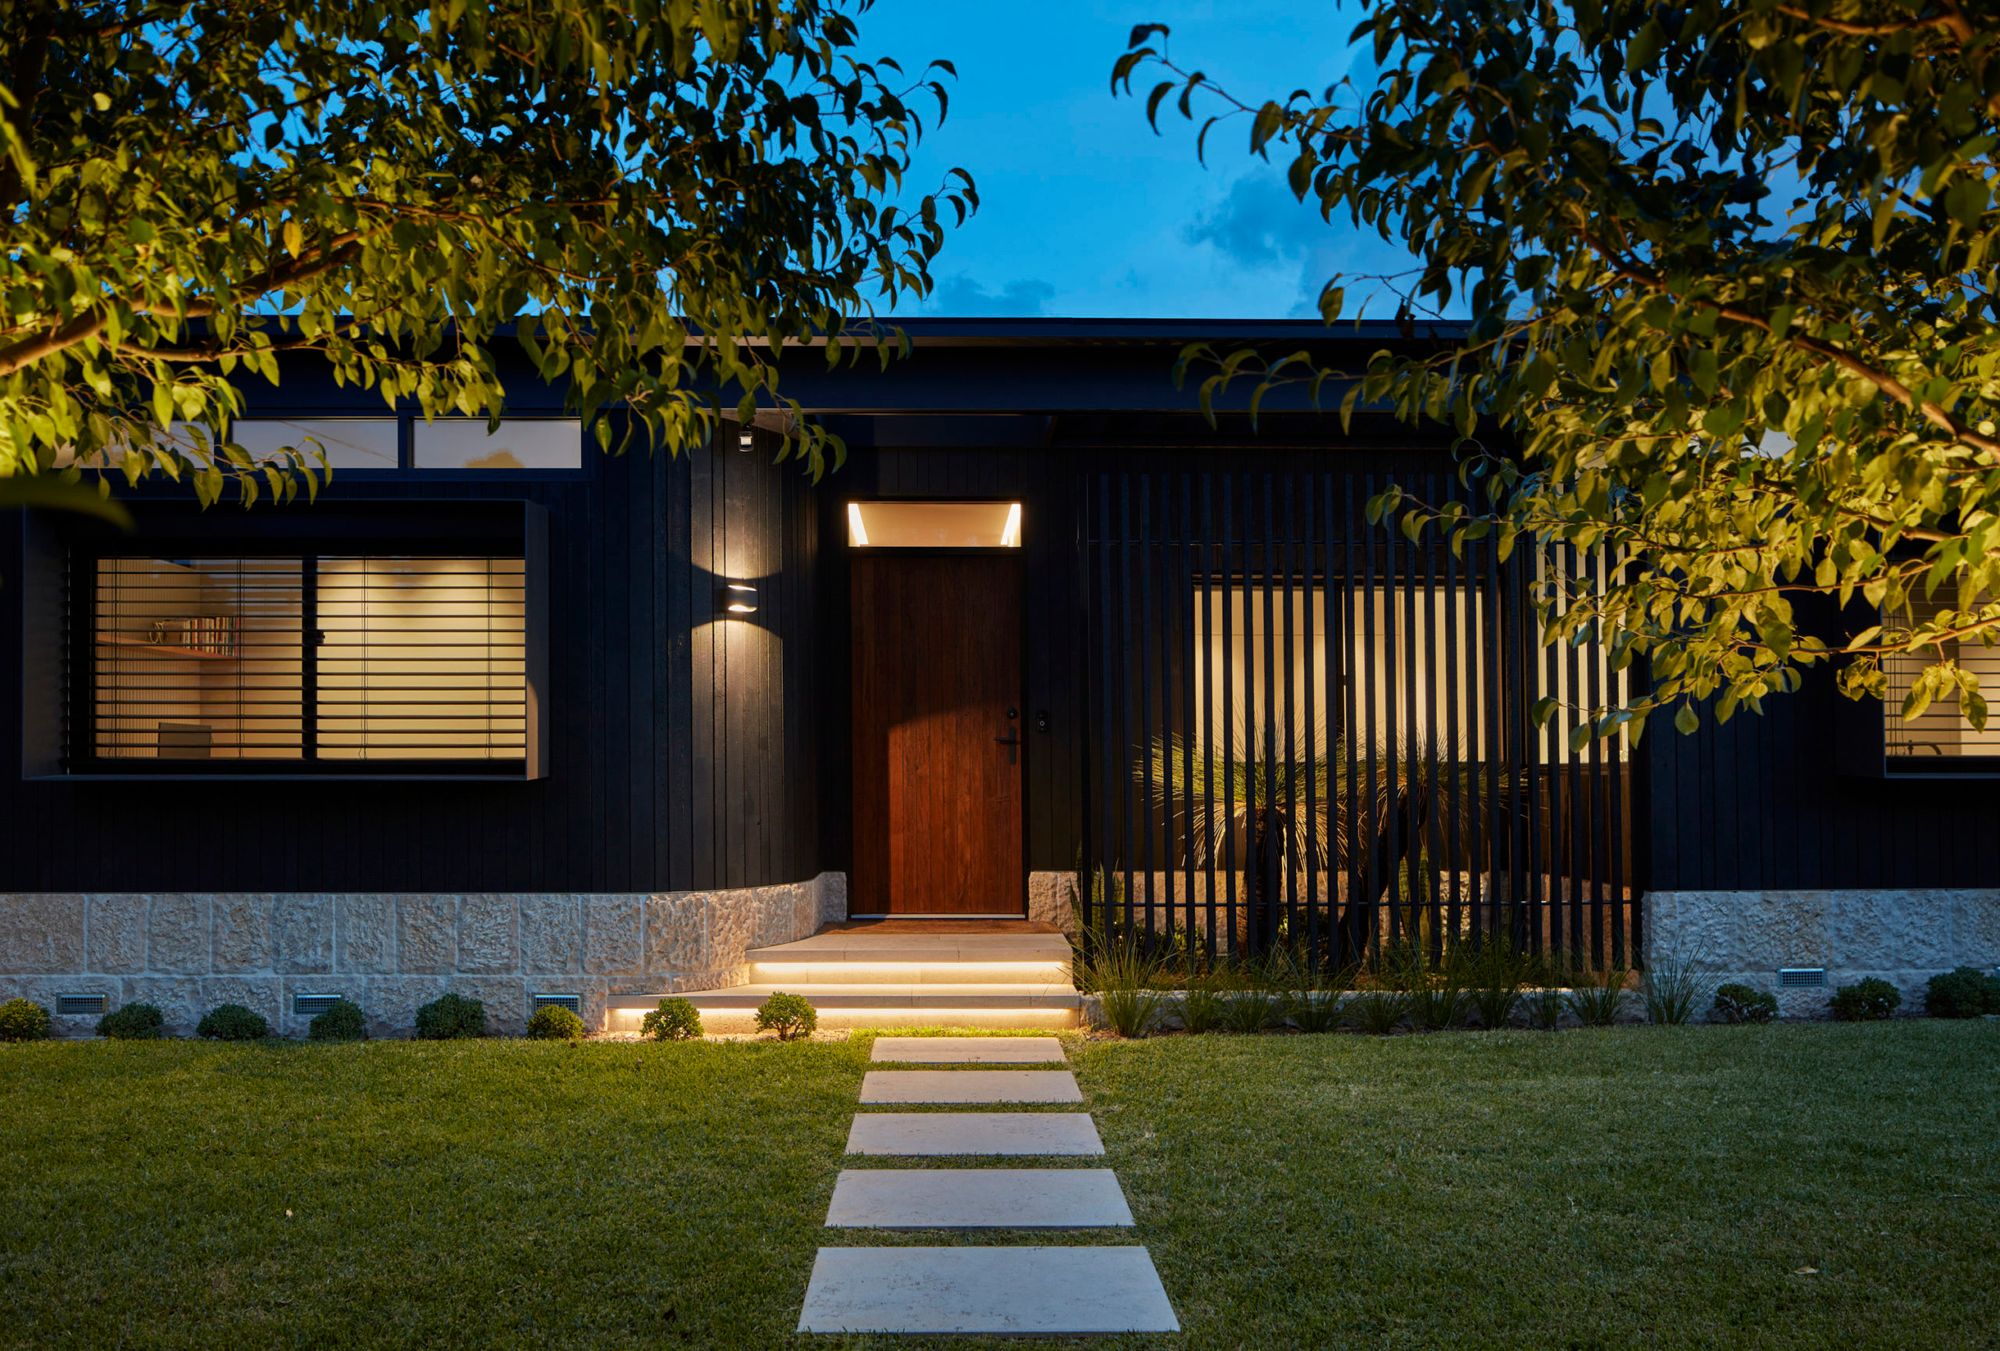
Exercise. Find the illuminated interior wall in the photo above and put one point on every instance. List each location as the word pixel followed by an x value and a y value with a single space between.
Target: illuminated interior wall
pixel 1941 730
pixel 1241 676
pixel 423 658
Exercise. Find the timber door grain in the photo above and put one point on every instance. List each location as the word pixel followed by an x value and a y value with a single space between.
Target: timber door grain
pixel 938 735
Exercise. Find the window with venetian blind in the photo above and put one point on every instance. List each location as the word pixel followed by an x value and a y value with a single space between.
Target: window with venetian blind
pixel 318 663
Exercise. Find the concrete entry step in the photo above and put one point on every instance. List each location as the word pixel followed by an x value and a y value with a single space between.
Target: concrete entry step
pixel 967 1050
pixel 919 1134
pixel 969 1086
pixel 1005 1291
pixel 978 1198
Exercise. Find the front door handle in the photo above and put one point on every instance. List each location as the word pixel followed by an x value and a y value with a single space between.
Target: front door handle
pixel 1011 742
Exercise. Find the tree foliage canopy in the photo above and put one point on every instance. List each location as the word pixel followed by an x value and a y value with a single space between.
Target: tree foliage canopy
pixel 194 188
pixel 1733 271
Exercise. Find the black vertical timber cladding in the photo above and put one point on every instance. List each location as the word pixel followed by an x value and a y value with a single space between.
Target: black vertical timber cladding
pixel 633 799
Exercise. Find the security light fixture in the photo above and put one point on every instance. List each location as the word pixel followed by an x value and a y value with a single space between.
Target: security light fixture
pixel 746 440
pixel 737 598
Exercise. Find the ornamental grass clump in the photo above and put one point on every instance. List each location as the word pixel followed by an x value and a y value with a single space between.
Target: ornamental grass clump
pixel 1596 998
pixel 450 1017
pixel 674 1020
pixel 553 1022
pixel 1377 1012
pixel 1966 992
pixel 1672 988
pixel 791 1016
pixel 1497 974
pixel 342 1020
pixel 1204 1003
pixel 1865 1001
pixel 23 1020
pixel 233 1022
pixel 133 1022
pixel 1738 1003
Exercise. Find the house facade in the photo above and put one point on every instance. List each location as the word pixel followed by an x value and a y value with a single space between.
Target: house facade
pixel 504 715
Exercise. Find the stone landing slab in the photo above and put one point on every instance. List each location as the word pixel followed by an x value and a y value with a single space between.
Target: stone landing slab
pixel 1005 1291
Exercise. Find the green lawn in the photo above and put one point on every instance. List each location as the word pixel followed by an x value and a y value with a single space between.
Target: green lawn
pixel 1791 1185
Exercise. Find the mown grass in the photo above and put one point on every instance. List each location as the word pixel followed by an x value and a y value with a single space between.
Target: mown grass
pixel 1754 1186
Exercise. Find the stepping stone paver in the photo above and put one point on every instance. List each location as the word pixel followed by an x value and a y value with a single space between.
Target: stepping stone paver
pixel 968 1050
pixel 969 1086
pixel 997 1133
pixel 993 1290
pixel 978 1198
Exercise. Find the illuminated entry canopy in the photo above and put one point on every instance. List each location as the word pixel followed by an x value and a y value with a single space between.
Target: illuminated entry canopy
pixel 934 525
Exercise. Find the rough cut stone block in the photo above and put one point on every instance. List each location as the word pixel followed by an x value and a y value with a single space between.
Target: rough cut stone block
pixel 1893 928
pixel 426 933
pixel 243 936
pixel 1052 899
pixel 719 978
pixel 364 926
pixel 731 925
pixel 1978 929
pixel 41 932
pixel 552 933
pixel 1011 1291
pixel 486 934
pixel 259 994
pixel 117 928
pixel 177 935
pixel 391 1002
pixel 178 998
pixel 676 932
pixel 832 889
pixel 614 935
pixel 977 1198
pixel 305 933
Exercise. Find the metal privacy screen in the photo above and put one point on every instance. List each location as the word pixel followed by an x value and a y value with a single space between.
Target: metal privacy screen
pixel 1310 732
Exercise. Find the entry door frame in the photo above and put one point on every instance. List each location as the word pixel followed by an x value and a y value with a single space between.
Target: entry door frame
pixel 1018 556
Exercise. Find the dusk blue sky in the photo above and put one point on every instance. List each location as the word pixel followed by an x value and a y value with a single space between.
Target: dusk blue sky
pixel 1084 211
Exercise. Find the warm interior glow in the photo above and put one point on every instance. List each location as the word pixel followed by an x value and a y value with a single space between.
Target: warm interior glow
pixel 934 525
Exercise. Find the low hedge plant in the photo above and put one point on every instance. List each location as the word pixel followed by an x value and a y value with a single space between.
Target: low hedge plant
pixel 789 1015
pixel 1966 992
pixel 451 1016
pixel 233 1022
pixel 23 1020
pixel 553 1022
pixel 1738 1003
pixel 673 1020
pixel 133 1022
pixel 341 1020
pixel 1865 1001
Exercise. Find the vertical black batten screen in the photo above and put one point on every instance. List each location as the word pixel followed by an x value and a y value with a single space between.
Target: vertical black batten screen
pixel 1314 733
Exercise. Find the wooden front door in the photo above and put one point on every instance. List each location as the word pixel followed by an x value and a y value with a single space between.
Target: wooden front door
pixel 938 740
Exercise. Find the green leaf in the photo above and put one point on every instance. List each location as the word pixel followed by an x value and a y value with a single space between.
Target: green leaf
pixel 1686 720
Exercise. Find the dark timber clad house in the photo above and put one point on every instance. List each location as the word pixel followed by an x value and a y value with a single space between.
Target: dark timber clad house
pixel 501 714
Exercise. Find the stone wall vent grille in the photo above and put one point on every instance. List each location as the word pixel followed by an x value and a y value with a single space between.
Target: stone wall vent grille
pixel 572 1002
pixel 312 1005
pixel 1799 977
pixel 81 1003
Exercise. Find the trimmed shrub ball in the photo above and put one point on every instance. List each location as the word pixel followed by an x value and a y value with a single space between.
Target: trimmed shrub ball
pixel 1866 1001
pixel 342 1020
pixel 673 1020
pixel 134 1022
pixel 23 1020
pixel 789 1015
pixel 553 1022
pixel 1964 993
pixel 450 1016
pixel 233 1022
pixel 1742 1004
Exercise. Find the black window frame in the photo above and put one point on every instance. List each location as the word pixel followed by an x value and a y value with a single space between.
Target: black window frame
pixel 453 529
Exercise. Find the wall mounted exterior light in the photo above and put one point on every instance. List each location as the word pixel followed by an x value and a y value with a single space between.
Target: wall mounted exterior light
pixel 746 440
pixel 737 598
